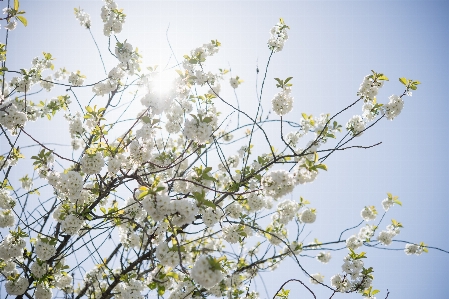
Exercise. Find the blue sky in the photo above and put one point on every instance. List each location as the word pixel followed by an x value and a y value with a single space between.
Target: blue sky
pixel 332 46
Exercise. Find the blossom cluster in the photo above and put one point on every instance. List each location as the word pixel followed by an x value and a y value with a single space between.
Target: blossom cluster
pixel 6 205
pixel 282 102
pixel 354 277
pixel 369 88
pixel 83 17
pixel 11 249
pixel 386 236
pixel 324 257
pixel 413 249
pixel 278 36
pixel 365 234
pixel 204 274
pixel 394 107
pixel 129 59
pixel 44 249
pixel 113 18
pixel 76 79
pixel 92 163
pixel 68 185
pixel 355 125
pixel 369 213
pixel 278 183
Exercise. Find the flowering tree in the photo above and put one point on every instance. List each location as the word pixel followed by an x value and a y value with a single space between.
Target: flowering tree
pixel 170 202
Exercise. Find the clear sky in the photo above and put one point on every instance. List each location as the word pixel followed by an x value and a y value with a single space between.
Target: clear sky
pixel 332 46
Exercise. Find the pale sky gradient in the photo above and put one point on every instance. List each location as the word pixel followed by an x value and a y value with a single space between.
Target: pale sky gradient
pixel 332 46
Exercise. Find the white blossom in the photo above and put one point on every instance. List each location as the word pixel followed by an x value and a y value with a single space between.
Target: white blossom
pixel 204 274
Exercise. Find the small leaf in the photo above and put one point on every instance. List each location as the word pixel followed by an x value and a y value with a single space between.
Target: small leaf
pixel 321 166
pixel 16 4
pixel 146 119
pixel 173 275
pixel 397 202
pixel 23 20
pixel 209 204
pixel 142 195
pixel 403 81
pixel 207 119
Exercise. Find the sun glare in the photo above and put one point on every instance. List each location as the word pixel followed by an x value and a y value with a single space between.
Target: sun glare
pixel 162 82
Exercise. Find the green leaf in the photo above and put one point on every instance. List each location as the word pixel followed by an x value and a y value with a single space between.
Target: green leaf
pixel 214 263
pixel 35 191
pixel 208 203
pixel 199 196
pixel 195 117
pixel 395 223
pixel 321 166
pixel 146 119
pixel 173 275
pixel 403 81
pixel 397 202
pixel 142 195
pixel 243 234
pixel 283 294
pixel 103 210
pixel 16 4
pixel 361 255
pixel 23 20
pixel 207 119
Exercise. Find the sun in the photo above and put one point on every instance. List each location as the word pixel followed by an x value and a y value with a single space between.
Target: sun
pixel 162 82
